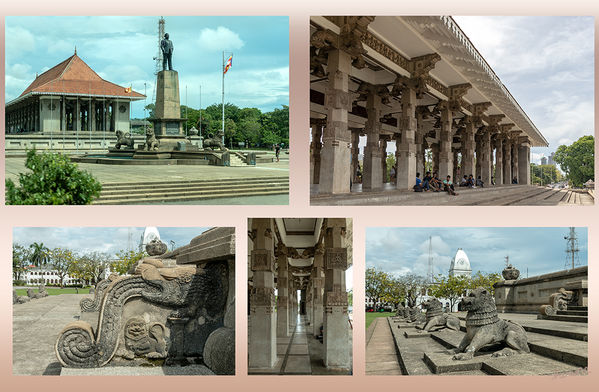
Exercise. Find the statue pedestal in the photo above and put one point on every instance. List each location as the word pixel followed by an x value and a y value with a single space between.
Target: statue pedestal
pixel 168 124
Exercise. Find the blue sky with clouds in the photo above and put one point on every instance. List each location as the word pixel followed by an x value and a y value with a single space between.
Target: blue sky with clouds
pixel 121 50
pixel 405 250
pixel 547 64
pixel 109 240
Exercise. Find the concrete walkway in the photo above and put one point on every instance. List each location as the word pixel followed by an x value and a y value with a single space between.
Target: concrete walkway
pixel 36 326
pixel 381 357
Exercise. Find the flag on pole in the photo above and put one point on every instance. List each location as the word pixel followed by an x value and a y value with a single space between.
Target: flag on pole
pixel 128 89
pixel 228 64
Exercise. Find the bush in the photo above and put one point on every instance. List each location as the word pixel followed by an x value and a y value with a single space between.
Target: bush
pixel 19 283
pixel 54 179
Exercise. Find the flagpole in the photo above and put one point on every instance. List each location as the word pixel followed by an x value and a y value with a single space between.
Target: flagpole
pixel 223 137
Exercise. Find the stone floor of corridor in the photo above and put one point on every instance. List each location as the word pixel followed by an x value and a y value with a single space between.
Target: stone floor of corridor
pixel 301 354
pixel 485 196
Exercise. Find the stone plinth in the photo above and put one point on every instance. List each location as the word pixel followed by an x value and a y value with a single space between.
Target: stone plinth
pixel 167 120
pixel 528 294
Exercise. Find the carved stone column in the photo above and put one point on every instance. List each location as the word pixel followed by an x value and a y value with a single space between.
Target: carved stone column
pixel 468 148
pixel 406 121
pixel 282 291
pixel 524 161
pixel 292 295
pixel 436 157
pixel 315 147
pixel 335 153
pixel 318 285
pixel 499 159
pixel 479 153
pixel 355 153
pixel 515 156
pixel 262 334
pixel 372 179
pixel 507 162
pixel 486 160
pixel 336 327
pixel 419 140
pixel 456 171
pixel 445 141
pixel 383 143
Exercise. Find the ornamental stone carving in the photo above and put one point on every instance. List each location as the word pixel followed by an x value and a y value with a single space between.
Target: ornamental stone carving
pixel 335 258
pixel 262 297
pixel 93 304
pixel 262 260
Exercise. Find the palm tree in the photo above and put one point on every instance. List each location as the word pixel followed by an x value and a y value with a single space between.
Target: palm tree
pixel 39 254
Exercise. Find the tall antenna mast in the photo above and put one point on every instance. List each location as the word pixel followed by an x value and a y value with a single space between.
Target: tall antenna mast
pixel 572 249
pixel 129 240
pixel 430 259
pixel 158 57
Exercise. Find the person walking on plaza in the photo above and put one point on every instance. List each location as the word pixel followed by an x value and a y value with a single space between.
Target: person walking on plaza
pixel 277 151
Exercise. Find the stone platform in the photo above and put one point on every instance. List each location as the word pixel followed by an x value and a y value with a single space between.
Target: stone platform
pixel 491 196
pixel 191 370
pixel 557 347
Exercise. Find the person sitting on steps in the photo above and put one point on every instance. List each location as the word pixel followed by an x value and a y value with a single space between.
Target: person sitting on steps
pixel 480 182
pixel 448 186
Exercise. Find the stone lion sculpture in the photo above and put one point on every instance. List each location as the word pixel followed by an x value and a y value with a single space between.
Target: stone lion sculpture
pixel 435 317
pixel 483 327
pixel 151 141
pixel 41 292
pixel 215 142
pixel 123 139
pixel 142 339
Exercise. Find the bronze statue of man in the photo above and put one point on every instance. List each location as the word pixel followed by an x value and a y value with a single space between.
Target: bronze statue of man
pixel 167 53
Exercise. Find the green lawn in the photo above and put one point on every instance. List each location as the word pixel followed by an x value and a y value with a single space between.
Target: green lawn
pixel 56 291
pixel 370 316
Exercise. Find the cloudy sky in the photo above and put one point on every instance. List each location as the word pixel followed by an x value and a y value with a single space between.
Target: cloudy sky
pixel 121 50
pixel 405 250
pixel 547 63
pixel 109 240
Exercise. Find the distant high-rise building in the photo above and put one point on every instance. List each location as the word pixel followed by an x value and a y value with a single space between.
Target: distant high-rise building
pixel 551 159
pixel 543 160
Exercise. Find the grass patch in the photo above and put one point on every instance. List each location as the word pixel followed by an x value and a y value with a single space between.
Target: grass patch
pixel 56 291
pixel 370 316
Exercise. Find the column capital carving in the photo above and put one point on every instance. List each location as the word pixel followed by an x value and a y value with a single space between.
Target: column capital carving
pixel 504 128
pixel 456 93
pixel 420 66
pixel 494 119
pixel 417 84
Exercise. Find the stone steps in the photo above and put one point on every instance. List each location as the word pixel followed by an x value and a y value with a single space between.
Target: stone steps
pixel 492 196
pixel 562 317
pixel 190 191
pixel 570 312
pixel 562 354
pixel 584 308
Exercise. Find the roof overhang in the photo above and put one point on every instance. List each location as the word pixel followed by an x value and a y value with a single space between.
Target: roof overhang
pixel 391 42
pixel 36 93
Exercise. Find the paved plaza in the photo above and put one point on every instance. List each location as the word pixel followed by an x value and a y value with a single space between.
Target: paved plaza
pixel 35 328
pixel 139 173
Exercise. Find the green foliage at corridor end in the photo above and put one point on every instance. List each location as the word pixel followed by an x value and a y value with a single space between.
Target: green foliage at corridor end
pixel 578 160
pixel 53 179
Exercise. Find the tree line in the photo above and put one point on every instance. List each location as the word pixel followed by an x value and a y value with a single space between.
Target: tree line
pixel 248 126
pixel 384 287
pixel 88 268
